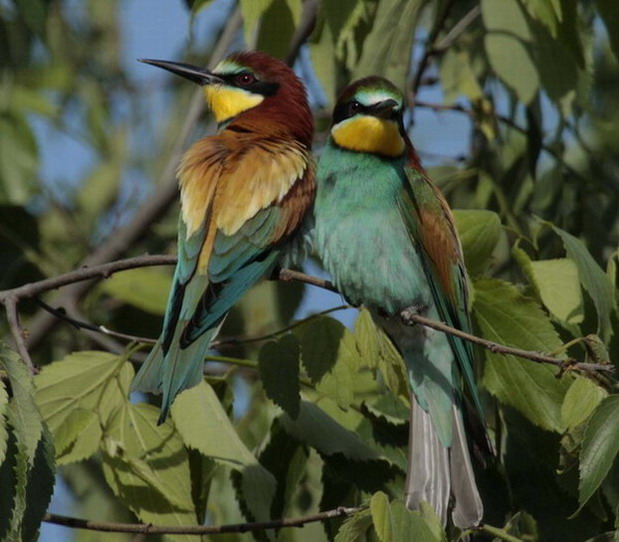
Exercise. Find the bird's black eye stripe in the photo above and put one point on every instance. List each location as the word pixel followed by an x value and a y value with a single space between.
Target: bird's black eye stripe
pixel 248 81
pixel 346 110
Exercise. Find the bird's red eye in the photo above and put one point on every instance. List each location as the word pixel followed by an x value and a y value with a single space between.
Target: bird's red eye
pixel 245 79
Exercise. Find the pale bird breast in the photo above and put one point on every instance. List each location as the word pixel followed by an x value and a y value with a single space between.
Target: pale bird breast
pixel 369 134
pixel 260 179
pixel 227 102
pixel 235 184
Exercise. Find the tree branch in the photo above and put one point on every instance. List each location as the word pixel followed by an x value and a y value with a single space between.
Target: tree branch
pixel 305 28
pixel 10 298
pixel 110 527
pixel 409 317
pixel 100 271
pixel 10 304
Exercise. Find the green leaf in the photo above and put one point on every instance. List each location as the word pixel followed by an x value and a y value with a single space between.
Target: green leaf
pixel 26 472
pixel 580 401
pixel 18 160
pixel 39 488
pixel 393 522
pixel 204 425
pixel 599 448
pixel 286 459
pixel 507 317
pixel 278 366
pixel 557 284
pixel 322 53
pixel 479 233
pixel 557 67
pixel 276 29
pixel 197 5
pixel 381 517
pixel 316 428
pixel 367 338
pixel 26 487
pixel 355 527
pixel 548 13
pixel 72 427
pixel 593 279
pixel 506 42
pixel 144 288
pixel 24 415
pixel 376 351
pixel 90 380
pixel 420 525
pixel 320 340
pixel 147 467
pixel 252 10
pixel 393 31
pixel 559 288
pixel 338 382
pixel 608 12
pixel 82 439
pixel 458 77
pixel 329 355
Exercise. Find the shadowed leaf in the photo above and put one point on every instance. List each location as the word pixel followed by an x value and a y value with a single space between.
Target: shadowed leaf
pixel 278 365
pixel 599 448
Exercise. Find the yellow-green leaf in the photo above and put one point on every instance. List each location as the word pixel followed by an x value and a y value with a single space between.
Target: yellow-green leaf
pixel 145 288
pixel 580 401
pixel 507 317
pixel 479 233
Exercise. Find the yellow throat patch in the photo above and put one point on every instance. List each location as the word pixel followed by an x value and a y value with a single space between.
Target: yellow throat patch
pixel 369 134
pixel 226 102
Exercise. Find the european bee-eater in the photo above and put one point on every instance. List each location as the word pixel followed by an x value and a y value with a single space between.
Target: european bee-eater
pixel 387 236
pixel 244 193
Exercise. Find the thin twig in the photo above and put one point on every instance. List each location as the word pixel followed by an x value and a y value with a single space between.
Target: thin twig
pixel 451 36
pixel 287 275
pixel 305 28
pixel 111 527
pixel 409 317
pixel 234 341
pixel 10 304
pixel 425 59
pixel 83 324
pixel 100 271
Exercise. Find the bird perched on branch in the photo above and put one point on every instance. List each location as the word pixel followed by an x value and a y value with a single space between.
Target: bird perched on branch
pixel 244 193
pixel 387 236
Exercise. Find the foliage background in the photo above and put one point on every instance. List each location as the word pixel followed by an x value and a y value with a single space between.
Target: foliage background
pixel 516 117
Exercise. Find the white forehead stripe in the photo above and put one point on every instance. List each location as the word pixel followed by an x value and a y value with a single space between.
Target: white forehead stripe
pixel 369 97
pixel 228 66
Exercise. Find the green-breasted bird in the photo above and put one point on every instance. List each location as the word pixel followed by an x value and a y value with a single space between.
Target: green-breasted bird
pixel 244 194
pixel 387 236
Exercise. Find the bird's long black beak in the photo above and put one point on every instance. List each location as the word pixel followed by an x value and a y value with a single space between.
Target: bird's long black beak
pixel 387 109
pixel 193 73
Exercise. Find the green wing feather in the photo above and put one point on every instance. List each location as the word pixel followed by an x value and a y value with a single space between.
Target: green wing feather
pixel 420 195
pixel 198 303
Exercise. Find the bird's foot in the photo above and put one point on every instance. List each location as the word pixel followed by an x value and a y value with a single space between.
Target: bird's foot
pixel 418 309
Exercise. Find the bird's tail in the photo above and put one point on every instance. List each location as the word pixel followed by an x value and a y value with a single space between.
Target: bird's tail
pixel 435 472
pixel 179 369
